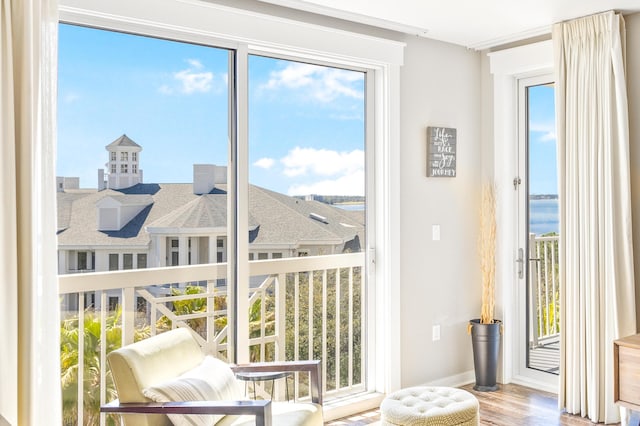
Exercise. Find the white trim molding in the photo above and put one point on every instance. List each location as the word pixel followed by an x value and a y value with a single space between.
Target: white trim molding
pixel 208 21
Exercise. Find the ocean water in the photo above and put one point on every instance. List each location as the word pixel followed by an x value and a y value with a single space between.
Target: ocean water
pixel 351 206
pixel 543 216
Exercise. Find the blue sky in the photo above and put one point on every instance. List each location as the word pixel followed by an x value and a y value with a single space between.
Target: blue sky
pixel 306 123
pixel 543 176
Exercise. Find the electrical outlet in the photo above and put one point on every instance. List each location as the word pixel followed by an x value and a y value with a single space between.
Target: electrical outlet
pixel 436 333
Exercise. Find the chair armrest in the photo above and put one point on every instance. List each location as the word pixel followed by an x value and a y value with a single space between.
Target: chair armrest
pixel 261 409
pixel 313 367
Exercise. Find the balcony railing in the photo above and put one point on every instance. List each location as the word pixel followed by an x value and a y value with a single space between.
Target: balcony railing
pixel 298 308
pixel 544 289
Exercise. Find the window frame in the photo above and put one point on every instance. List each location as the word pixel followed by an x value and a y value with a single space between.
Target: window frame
pixel 507 67
pixel 248 32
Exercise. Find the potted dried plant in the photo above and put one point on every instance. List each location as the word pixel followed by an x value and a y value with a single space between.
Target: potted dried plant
pixel 486 330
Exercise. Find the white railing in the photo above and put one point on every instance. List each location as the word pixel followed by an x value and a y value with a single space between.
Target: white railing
pixel 544 289
pixel 299 308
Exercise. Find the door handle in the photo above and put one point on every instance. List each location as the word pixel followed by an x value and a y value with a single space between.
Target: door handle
pixel 520 262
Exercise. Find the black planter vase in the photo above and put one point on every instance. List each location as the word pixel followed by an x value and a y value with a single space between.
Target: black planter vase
pixel 486 346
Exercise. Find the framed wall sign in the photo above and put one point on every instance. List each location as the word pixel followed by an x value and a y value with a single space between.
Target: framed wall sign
pixel 441 152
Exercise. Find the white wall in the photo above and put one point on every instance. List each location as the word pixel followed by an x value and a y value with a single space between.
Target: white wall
pixel 441 86
pixel 633 90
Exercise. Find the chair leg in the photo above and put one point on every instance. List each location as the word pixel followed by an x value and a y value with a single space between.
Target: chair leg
pixel 286 387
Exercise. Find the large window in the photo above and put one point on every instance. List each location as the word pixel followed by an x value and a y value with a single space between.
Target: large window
pixel 187 104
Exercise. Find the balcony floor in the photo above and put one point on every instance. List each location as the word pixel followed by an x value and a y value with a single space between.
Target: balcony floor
pixel 546 358
pixel 508 406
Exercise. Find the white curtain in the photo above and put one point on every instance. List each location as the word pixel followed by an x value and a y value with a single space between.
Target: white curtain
pixel 29 307
pixel 596 255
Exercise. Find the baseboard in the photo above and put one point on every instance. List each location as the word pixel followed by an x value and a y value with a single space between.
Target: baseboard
pixel 351 405
pixel 455 380
pixel 535 384
pixel 467 377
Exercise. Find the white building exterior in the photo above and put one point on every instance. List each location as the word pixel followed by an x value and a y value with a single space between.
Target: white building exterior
pixel 123 169
pixel 128 224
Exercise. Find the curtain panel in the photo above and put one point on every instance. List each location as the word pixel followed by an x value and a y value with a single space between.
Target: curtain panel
pixel 29 307
pixel 596 254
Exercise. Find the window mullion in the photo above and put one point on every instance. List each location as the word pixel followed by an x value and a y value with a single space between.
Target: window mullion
pixel 240 159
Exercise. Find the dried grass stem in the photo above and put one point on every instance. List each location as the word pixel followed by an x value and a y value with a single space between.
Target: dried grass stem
pixel 487 249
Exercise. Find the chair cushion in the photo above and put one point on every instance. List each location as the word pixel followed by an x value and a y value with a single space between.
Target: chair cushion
pixel 152 361
pixel 284 414
pixel 212 380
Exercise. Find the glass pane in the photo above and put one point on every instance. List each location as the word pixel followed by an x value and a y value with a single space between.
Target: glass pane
pixel 307 200
pixel 544 314
pixel 143 143
pixel 142 146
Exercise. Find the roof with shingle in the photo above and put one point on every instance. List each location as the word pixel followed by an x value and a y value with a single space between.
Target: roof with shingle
pixel 288 220
pixel 133 200
pixel 123 140
pixel 274 218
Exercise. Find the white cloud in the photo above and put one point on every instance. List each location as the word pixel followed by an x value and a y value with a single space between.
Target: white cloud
pixel 195 63
pixel 548 131
pixel 264 163
pixel 194 79
pixel 322 162
pixel 322 84
pixel 350 184
pixel 548 137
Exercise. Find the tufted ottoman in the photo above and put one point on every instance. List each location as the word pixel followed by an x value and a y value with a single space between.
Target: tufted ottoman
pixel 429 405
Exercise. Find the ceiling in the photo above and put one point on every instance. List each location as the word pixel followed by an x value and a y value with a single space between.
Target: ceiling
pixel 475 24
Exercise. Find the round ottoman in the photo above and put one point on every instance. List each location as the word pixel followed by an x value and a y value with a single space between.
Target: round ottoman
pixel 430 405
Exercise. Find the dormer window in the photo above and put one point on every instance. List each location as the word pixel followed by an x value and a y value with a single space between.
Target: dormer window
pixel 124 156
pixel 114 212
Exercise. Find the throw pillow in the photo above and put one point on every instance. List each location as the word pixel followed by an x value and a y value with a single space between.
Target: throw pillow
pixel 212 380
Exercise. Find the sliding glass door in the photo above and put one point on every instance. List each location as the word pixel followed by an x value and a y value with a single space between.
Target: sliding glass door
pixel 307 201
pixel 152 156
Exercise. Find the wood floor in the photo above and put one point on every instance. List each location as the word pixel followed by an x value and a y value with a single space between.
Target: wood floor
pixel 511 405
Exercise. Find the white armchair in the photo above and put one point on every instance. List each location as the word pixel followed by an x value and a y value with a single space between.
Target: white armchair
pixel 167 379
